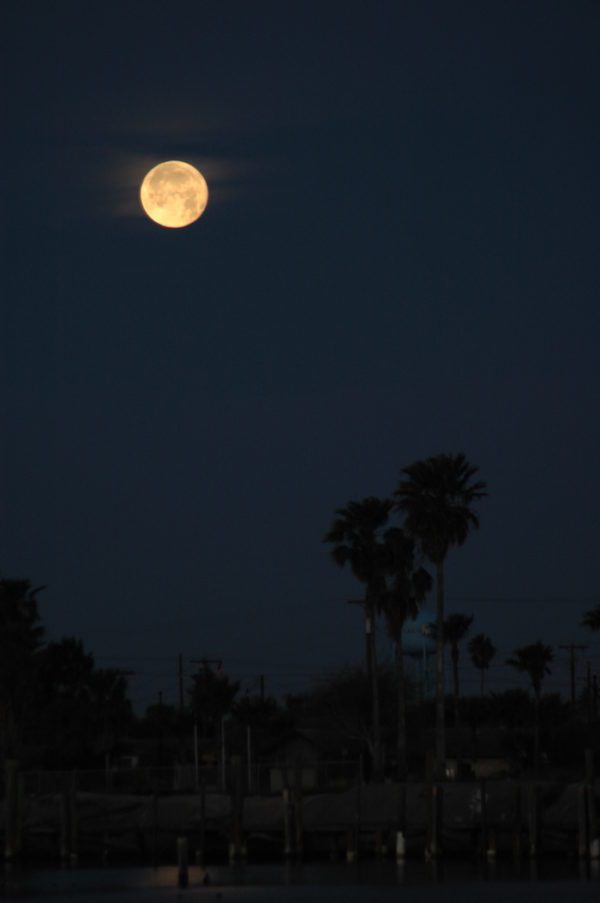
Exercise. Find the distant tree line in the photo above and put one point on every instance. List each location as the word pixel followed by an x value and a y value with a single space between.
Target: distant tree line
pixel 59 710
pixel 52 696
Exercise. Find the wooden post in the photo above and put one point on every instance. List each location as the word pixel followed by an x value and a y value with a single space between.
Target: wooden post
pixel 155 829
pixel 429 776
pixel 299 821
pixel 200 852
pixel 583 842
pixel 237 809
pixel 353 836
pixel 182 862
pixel 592 815
pixel 63 803
pixel 400 846
pixel 249 759
pixel 401 824
pixel 332 848
pixel 438 818
pixel 73 819
pixel 484 824
pixel 20 813
pixel 287 823
pixel 534 821
pixel 436 801
pixel 11 842
pixel 351 845
pixel 67 819
pixel 517 817
pixel 589 765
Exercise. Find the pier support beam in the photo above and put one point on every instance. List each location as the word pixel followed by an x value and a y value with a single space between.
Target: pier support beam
pixel 14 806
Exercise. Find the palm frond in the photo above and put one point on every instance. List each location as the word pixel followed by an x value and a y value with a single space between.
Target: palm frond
pixel 436 498
pixel 591 618
pixel 533 660
pixel 482 650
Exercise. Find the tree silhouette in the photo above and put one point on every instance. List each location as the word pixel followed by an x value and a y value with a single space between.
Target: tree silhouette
pixel 482 650
pixel 534 660
pixel 407 588
pixel 591 619
pixel 21 638
pixel 437 501
pixel 261 713
pixel 211 697
pixel 342 701
pixel 108 698
pixel 65 712
pixel 456 627
pixel 356 537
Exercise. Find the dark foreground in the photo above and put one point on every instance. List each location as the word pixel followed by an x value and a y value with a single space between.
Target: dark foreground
pixel 369 882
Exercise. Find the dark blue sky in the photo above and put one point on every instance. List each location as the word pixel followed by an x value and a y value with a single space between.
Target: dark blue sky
pixel 399 258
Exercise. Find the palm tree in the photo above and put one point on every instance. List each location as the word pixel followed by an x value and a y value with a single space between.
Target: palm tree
pixel 21 638
pixel 534 660
pixel 212 696
pixel 456 627
pixel 591 618
pixel 402 600
pixel 357 541
pixel 482 650
pixel 437 500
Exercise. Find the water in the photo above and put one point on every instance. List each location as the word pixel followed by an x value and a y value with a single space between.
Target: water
pixel 364 882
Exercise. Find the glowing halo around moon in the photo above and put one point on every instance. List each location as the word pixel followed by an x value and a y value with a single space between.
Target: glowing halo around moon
pixel 174 194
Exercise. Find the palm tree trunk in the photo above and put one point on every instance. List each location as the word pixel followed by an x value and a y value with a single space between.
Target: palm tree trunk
pixel 401 706
pixel 536 734
pixel 378 764
pixel 456 685
pixel 440 731
pixel 371 651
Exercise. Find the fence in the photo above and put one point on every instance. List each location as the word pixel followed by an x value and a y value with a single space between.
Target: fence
pixel 265 778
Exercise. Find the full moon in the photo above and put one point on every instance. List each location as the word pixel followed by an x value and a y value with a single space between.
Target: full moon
pixel 174 194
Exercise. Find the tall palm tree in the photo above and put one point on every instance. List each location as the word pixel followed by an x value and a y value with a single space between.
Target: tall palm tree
pixel 591 618
pixel 406 592
pixel 456 627
pixel 534 660
pixel 482 650
pixel 357 540
pixel 437 499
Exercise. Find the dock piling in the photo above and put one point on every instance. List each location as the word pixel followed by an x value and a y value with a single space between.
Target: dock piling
pixel 182 862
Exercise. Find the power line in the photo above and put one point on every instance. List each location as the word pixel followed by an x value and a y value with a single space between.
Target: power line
pixel 545 600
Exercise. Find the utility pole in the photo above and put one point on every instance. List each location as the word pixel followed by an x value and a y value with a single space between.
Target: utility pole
pixel 159 730
pixel 180 714
pixel 571 648
pixel 180 676
pixel 205 663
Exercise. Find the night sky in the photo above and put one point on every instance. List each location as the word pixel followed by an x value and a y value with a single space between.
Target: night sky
pixel 400 257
